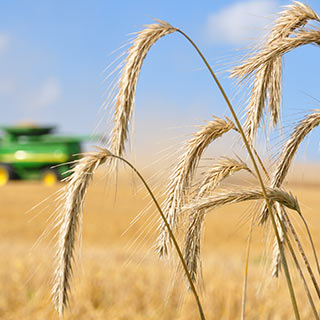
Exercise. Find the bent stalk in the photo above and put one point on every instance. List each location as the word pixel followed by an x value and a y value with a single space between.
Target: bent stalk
pixel 175 243
pixel 245 280
pixel 284 261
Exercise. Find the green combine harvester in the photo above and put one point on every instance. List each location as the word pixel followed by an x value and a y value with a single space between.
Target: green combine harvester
pixel 34 153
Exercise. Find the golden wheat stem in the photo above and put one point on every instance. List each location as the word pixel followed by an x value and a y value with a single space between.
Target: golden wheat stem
pixel 245 280
pixel 295 236
pixel 287 241
pixel 284 261
pixel 311 241
pixel 261 163
pixel 175 243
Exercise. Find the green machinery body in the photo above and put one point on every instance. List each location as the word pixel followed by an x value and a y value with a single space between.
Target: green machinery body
pixel 28 152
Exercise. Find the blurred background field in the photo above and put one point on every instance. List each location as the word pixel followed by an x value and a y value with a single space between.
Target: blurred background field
pixel 52 57
pixel 120 276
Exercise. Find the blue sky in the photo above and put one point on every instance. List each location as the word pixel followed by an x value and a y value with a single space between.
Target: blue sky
pixel 53 53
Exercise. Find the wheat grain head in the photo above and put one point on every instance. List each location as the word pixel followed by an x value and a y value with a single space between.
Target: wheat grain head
pixel 218 172
pixel 73 195
pixel 183 173
pixel 305 126
pixel 266 62
pixel 229 197
pixel 276 258
pixel 125 98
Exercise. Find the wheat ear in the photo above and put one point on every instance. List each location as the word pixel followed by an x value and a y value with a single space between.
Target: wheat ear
pixel 267 79
pixel 73 196
pixel 125 97
pixel 199 207
pixel 305 126
pixel 222 169
pixel 183 173
pixel 276 259
pixel 230 197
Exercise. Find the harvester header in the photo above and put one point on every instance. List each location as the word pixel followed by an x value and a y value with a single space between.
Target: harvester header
pixel 35 153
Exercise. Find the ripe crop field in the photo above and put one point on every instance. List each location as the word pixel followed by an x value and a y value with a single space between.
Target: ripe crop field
pixel 121 276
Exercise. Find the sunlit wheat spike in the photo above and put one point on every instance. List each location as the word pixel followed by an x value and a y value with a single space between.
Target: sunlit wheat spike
pixel 267 64
pixel 279 48
pixel 294 17
pixel 311 121
pixel 276 259
pixel 257 99
pixel 183 173
pixel 200 206
pixel 192 244
pixel 222 169
pixel 230 197
pixel 305 126
pixel 73 199
pixel 125 98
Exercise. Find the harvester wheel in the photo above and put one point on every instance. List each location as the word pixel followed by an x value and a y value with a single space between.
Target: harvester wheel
pixel 50 176
pixel 6 173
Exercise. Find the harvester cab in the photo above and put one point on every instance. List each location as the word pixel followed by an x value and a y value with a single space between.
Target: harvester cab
pixel 35 153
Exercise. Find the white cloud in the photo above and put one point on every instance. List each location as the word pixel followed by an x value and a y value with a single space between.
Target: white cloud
pixel 4 42
pixel 241 22
pixel 47 95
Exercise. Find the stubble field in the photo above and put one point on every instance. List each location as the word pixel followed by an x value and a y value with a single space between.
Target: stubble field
pixel 120 277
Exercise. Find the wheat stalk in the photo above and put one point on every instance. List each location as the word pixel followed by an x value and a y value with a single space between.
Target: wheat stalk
pixel 257 172
pixel 283 222
pixel 73 196
pixel 218 172
pixel 266 62
pixel 125 98
pixel 183 173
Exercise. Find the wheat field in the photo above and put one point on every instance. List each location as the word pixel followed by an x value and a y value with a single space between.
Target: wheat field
pixel 118 274
pixel 119 278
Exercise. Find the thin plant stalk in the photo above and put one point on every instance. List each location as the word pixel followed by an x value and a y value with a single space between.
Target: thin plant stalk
pixel 261 163
pixel 175 243
pixel 300 249
pixel 294 257
pixel 295 236
pixel 284 261
pixel 311 241
pixel 245 280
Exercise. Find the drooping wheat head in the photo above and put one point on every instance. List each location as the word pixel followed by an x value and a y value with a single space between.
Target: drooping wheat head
pixel 199 206
pixel 266 63
pixel 73 195
pixel 229 197
pixel 125 98
pixel 217 173
pixel 182 175
pixel 305 126
pixel 276 258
